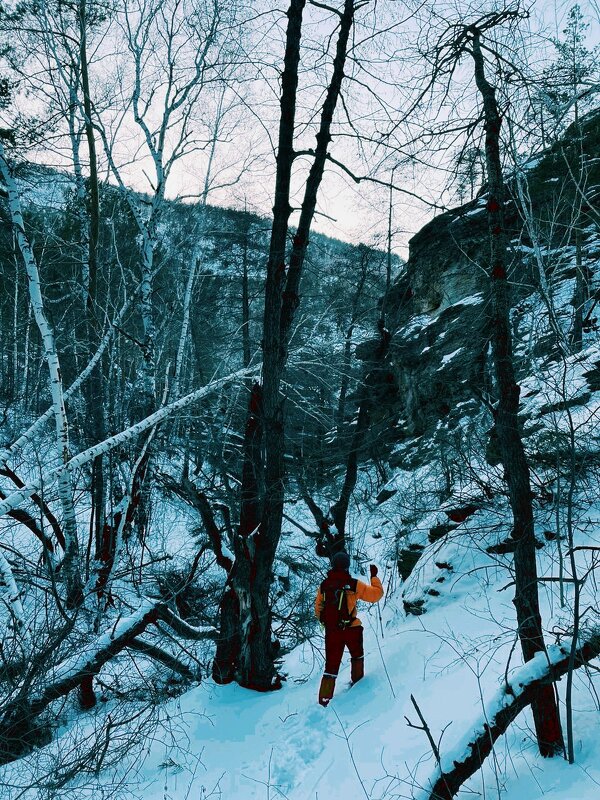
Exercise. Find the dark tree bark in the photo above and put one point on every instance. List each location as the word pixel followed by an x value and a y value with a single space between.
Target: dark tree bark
pixel 25 518
pixel 347 360
pixel 512 452
pixel 579 294
pixel 263 475
pixel 122 518
pixel 241 581
pixel 339 510
pixel 94 389
pixel 52 521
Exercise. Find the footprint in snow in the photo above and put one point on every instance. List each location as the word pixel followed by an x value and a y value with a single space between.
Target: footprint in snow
pixel 303 740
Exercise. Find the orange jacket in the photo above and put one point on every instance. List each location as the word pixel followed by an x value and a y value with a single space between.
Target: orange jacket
pixel 371 594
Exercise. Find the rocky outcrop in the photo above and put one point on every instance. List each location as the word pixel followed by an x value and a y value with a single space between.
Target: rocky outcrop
pixel 455 514
pixel 439 310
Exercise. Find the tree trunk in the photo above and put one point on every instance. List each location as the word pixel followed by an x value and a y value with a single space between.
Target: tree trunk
pixel 94 390
pixel 253 572
pixel 579 296
pixel 18 717
pixel 516 468
pixel 251 545
pixel 515 697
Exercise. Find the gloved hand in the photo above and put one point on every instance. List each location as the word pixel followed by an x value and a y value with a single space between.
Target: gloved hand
pixel 373 570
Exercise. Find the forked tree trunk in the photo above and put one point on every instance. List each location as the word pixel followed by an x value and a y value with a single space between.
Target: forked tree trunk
pixel 514 460
pixel 244 634
pixel 262 482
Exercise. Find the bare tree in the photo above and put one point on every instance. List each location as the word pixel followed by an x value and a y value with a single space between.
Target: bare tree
pixel 463 39
pixel 245 644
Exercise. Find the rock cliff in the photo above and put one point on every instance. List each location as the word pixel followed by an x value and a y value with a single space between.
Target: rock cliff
pixel 447 493
pixel 440 313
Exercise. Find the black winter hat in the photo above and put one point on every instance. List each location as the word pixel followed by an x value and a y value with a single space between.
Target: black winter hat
pixel 340 560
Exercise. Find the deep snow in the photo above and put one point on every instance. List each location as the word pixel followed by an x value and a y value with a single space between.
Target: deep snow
pixel 230 743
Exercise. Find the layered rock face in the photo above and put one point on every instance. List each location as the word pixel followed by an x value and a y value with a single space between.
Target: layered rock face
pixel 439 322
pixel 446 499
pixel 440 311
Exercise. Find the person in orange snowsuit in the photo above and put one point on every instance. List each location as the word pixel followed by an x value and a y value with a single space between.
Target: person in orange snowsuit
pixel 335 608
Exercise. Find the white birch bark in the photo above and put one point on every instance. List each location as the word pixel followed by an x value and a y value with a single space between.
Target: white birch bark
pixel 8 583
pixel 28 435
pixel 15 499
pixel 26 354
pixel 71 560
pixel 185 323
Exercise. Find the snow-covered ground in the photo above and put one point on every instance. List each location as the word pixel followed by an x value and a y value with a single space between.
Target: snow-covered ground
pixel 228 743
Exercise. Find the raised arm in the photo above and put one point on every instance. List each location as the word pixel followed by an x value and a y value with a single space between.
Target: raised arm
pixel 371 593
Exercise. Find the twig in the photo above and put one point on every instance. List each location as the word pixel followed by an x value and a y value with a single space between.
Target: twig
pixel 347 739
pixel 423 727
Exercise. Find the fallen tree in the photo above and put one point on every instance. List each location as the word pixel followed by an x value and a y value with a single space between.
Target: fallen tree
pixel 14 499
pixel 520 689
pixel 20 715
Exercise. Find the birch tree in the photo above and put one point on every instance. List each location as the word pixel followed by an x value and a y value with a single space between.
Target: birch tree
pixel 54 38
pixel 71 565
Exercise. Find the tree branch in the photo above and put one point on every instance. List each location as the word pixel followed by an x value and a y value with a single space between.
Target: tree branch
pixel 158 654
pixel 518 693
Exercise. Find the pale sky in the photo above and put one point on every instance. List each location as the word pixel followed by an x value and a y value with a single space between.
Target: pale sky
pixel 382 75
pixel 358 212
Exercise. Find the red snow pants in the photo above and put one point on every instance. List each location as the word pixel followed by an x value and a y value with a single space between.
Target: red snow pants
pixel 336 640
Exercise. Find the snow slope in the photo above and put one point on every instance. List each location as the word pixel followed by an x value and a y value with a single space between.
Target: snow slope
pixel 228 743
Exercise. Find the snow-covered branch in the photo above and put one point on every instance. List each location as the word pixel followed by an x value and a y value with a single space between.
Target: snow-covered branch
pixel 158 654
pixel 16 498
pixel 21 712
pixel 463 761
pixel 8 583
pixel 28 435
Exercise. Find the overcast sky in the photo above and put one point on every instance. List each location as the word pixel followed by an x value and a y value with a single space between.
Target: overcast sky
pixel 383 78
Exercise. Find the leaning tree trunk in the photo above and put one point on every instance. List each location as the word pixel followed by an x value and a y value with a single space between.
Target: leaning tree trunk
pixel 519 691
pixel 255 554
pixel 512 452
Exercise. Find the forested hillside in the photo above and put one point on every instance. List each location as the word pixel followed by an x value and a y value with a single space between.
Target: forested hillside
pixel 207 401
